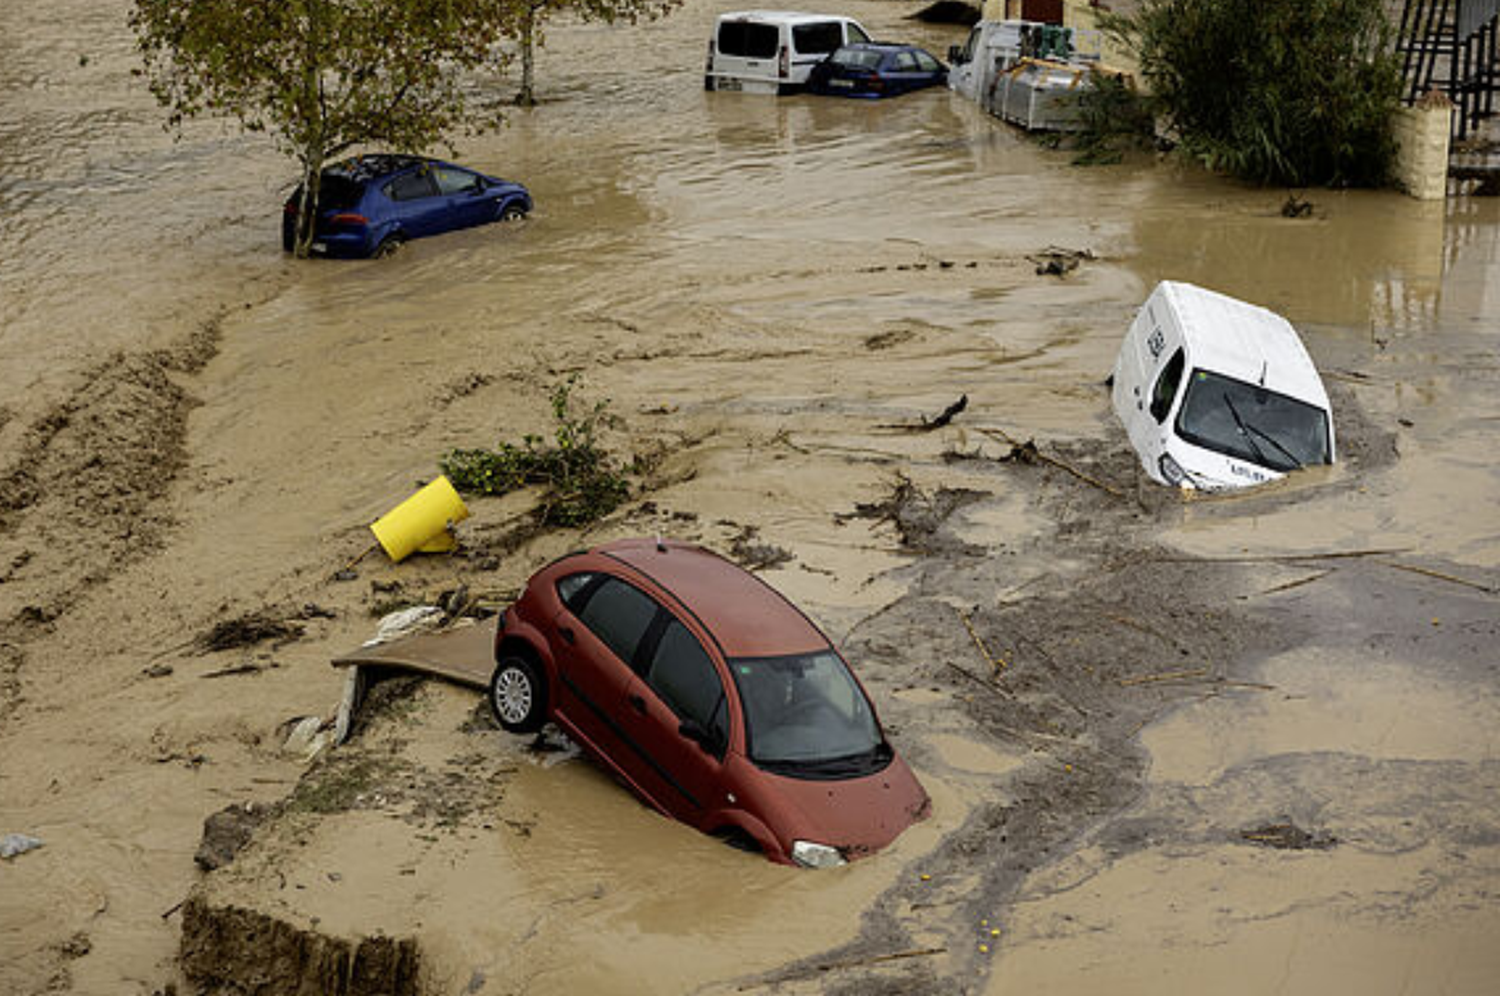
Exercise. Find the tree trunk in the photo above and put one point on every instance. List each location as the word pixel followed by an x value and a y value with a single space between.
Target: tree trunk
pixel 527 96
pixel 313 147
pixel 307 210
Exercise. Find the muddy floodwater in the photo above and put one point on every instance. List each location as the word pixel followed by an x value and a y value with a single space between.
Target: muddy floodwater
pixel 1228 745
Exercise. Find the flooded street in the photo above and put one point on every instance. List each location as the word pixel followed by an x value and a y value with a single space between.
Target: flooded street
pixel 1109 699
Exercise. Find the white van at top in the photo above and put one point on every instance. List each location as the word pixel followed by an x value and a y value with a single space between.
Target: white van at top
pixel 773 51
pixel 1216 393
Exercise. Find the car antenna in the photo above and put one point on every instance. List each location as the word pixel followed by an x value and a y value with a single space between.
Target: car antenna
pixel 1264 364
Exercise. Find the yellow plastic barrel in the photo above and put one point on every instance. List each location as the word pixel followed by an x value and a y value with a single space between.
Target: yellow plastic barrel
pixel 421 522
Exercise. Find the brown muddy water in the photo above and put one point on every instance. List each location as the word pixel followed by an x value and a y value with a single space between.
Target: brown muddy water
pixel 193 427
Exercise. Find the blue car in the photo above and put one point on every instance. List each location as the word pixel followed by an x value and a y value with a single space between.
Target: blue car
pixel 876 69
pixel 369 205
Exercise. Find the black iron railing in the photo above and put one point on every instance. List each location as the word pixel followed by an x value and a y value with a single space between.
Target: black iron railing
pixel 1451 45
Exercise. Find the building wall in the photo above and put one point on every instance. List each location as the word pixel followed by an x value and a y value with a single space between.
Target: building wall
pixel 1082 16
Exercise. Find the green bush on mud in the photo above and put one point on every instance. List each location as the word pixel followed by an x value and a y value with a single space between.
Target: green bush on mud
pixel 1293 92
pixel 1112 119
pixel 582 483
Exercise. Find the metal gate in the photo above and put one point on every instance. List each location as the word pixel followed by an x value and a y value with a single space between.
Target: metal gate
pixel 1450 45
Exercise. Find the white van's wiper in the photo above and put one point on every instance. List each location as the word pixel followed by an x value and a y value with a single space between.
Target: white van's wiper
pixel 1251 431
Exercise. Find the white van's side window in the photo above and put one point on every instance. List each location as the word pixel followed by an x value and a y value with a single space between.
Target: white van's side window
pixel 818 39
pixel 748 39
pixel 1166 386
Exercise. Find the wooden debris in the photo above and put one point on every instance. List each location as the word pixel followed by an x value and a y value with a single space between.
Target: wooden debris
pixel 930 424
pixel 248 629
pixel 1439 575
pixel 997 664
pixel 1149 679
pixel 1295 584
pixel 237 669
pixel 946 415
pixel 1056 261
pixel 1283 558
pixel 1295 206
pixel 1288 837
pixel 1029 451
pixel 833 966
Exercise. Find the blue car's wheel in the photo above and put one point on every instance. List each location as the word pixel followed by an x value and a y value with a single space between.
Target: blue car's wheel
pixel 511 212
pixel 389 245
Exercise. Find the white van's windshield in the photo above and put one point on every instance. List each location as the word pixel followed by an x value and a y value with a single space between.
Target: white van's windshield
pixel 1251 423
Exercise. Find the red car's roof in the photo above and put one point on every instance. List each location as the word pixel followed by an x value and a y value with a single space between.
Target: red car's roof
pixel 746 616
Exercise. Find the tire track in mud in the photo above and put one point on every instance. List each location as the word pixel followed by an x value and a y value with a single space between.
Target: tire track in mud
pixel 83 497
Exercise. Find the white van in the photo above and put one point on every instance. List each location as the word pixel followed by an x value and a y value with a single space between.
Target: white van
pixel 1217 393
pixel 773 51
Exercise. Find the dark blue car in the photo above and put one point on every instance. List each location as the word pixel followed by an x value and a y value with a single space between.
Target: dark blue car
pixel 876 69
pixel 369 205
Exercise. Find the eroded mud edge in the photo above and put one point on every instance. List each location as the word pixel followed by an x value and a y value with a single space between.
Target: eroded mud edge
pixel 266 955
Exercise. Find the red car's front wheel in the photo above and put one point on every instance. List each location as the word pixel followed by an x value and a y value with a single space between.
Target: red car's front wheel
pixel 518 695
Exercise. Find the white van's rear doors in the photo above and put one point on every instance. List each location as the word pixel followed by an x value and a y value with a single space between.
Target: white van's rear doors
pixel 742 50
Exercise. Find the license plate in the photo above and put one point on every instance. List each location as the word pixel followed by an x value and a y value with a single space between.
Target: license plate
pixel 730 84
pixel 846 84
pixel 320 247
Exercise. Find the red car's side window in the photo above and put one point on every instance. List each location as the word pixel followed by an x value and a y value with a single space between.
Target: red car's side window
pixel 619 615
pixel 683 674
pixel 571 589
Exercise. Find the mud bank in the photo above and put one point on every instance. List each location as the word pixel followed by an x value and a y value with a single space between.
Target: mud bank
pixel 1017 679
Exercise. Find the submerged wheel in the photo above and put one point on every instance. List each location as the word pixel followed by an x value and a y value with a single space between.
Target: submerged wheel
pixel 512 212
pixel 388 246
pixel 739 839
pixel 518 695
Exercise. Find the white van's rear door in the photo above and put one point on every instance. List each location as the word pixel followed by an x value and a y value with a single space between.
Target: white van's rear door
pixel 744 55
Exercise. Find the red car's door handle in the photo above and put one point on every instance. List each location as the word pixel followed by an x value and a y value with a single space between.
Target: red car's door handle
pixel 567 634
pixel 638 703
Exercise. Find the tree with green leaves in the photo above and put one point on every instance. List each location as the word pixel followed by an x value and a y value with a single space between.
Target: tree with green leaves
pixel 1294 92
pixel 322 76
pixel 532 15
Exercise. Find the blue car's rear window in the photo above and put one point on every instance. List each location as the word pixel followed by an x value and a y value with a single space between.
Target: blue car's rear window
pixel 339 192
pixel 857 58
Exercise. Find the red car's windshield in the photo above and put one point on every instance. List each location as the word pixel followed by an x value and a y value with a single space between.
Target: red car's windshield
pixel 806 716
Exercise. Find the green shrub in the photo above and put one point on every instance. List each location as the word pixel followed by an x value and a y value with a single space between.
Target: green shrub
pixel 1113 119
pixel 1291 92
pixel 582 483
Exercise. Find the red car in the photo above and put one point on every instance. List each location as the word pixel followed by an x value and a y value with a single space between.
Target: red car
pixel 710 695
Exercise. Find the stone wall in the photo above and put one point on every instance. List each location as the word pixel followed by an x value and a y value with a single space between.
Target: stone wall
pixel 1422 132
